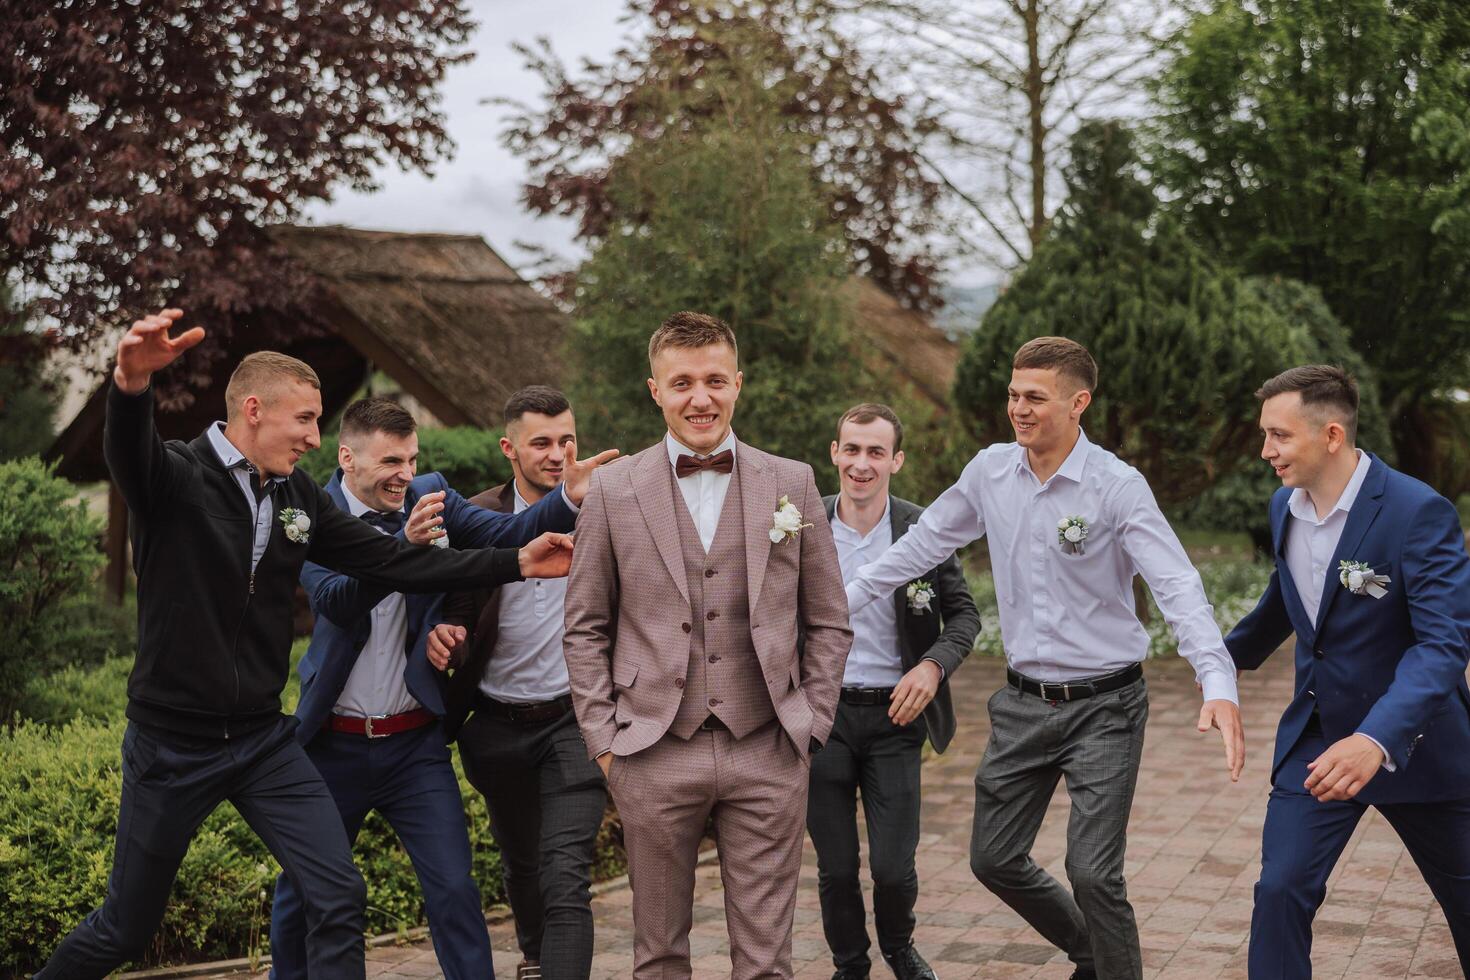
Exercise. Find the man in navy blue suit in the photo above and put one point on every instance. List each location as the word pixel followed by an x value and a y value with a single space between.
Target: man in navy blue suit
pixel 1372 576
pixel 371 703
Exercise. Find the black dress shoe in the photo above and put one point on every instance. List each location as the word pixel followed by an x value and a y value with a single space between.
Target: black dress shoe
pixel 909 965
pixel 1082 974
pixel 850 973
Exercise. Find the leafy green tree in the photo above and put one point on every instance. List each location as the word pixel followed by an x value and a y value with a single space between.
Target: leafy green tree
pixel 27 394
pixel 727 218
pixel 1181 341
pixel 1324 140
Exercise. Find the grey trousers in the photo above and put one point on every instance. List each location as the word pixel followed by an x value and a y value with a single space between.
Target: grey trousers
pixel 1096 744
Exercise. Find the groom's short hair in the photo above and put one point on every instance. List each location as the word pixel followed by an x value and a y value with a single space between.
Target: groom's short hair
pixel 1067 357
pixel 689 330
pixel 1328 393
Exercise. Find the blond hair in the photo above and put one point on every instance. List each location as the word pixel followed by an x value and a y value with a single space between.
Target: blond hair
pixel 689 331
pixel 262 374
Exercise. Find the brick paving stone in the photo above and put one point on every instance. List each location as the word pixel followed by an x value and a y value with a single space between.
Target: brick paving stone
pixel 1193 859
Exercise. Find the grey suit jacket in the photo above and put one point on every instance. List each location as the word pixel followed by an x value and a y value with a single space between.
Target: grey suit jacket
pixel 944 634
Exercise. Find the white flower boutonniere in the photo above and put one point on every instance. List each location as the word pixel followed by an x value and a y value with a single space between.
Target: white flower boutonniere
pixel 921 595
pixel 786 522
pixel 1071 532
pixel 1359 578
pixel 297 525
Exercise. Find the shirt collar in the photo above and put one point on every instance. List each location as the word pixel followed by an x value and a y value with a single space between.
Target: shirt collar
pixel 354 506
pixel 842 529
pixel 228 454
pixel 520 502
pixel 677 448
pixel 1071 467
pixel 1301 504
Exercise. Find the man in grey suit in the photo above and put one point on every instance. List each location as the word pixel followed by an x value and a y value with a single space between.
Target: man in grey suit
pixel 895 691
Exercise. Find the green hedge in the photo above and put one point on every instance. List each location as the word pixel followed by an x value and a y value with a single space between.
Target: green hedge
pixel 469 458
pixel 59 788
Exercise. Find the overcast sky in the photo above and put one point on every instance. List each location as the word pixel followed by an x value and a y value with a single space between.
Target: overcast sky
pixel 479 189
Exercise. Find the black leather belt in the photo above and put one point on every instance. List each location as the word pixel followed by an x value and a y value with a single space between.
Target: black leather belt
pixel 533 713
pixel 867 695
pixel 1058 691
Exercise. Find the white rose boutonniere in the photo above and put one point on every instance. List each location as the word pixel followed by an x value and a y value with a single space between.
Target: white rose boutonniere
pixel 296 524
pixel 786 522
pixel 1071 532
pixel 1359 578
pixel 921 595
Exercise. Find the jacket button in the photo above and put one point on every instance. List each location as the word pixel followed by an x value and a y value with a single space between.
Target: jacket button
pixel 1317 654
pixel 714 658
pixel 688 628
pixel 714 702
pixel 709 573
pixel 678 682
pixel 711 614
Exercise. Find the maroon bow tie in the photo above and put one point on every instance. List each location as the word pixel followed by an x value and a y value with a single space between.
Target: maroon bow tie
pixel 687 465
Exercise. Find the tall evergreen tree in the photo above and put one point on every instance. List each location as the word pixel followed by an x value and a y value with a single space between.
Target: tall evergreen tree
pixel 1181 341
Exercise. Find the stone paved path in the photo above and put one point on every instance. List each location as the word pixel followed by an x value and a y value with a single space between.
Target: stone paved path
pixel 1193 857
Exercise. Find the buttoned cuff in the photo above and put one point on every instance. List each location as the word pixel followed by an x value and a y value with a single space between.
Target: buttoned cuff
pixel 1219 687
pixel 1388 763
pixel 566 499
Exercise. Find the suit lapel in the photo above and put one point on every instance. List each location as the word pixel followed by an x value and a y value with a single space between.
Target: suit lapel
pixel 898 525
pixel 758 500
pixel 1365 509
pixel 653 487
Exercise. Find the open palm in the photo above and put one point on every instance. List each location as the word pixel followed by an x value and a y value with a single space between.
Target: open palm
pixel 147 347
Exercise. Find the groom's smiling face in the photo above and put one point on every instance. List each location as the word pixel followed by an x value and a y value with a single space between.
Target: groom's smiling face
pixel 697 387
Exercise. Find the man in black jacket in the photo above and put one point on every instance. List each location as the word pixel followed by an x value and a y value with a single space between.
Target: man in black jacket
pixel 220 528
pixel 895 692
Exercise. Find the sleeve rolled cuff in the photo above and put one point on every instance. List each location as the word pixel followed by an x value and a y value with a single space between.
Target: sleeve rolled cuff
pixel 1388 763
pixel 1219 687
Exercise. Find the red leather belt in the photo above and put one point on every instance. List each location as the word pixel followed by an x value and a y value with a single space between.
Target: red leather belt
pixel 383 725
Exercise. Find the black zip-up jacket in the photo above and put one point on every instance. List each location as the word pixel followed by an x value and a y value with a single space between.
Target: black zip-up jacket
pixel 214 639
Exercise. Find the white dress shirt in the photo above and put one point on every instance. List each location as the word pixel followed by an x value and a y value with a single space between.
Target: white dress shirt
pixel 527 663
pixel 1311 541
pixel 875 660
pixel 376 687
pixel 245 475
pixel 704 492
pixel 1064 617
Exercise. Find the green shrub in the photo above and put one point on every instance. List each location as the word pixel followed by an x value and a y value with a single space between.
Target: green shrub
pixel 48 614
pixel 59 793
pixel 469 458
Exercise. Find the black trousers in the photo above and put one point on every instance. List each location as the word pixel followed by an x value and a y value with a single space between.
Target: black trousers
pixel 868 754
pixel 546 801
pixel 171 783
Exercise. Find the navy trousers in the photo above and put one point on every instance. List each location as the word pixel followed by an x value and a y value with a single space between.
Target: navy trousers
pixel 1303 839
pixel 171 782
pixel 409 779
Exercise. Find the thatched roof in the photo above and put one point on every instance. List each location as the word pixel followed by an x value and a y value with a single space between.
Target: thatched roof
pixel 442 315
pixel 903 344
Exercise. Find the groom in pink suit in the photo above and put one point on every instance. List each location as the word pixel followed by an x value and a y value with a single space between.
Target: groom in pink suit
pixel 687 598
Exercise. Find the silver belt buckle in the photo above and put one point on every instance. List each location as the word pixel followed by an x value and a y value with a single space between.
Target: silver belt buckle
pixel 1066 691
pixel 367 727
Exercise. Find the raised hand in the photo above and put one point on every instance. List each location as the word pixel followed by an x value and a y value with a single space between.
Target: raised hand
pixel 578 475
pixel 443 640
pixel 147 347
pixel 424 523
pixel 914 692
pixel 549 556
pixel 1344 769
pixel 1225 715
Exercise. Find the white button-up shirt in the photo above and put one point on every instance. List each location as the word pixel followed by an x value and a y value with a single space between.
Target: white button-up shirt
pixel 527 663
pixel 1311 541
pixel 376 687
pixel 245 473
pixel 704 492
pixel 875 660
pixel 1064 617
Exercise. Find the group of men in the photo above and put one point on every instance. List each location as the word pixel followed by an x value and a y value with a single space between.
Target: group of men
pixel 721 649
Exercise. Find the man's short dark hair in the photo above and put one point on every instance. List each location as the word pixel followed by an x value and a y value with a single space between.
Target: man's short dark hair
pixel 540 399
pixel 1066 357
pixel 368 415
pixel 1328 392
pixel 871 412
pixel 689 330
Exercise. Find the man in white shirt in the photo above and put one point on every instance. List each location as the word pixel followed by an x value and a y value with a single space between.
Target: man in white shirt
pixel 1069 524
pixel 521 747
pixel 895 693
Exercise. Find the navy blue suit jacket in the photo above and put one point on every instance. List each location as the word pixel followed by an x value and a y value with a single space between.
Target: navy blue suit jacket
pixel 342 603
pixel 1392 668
